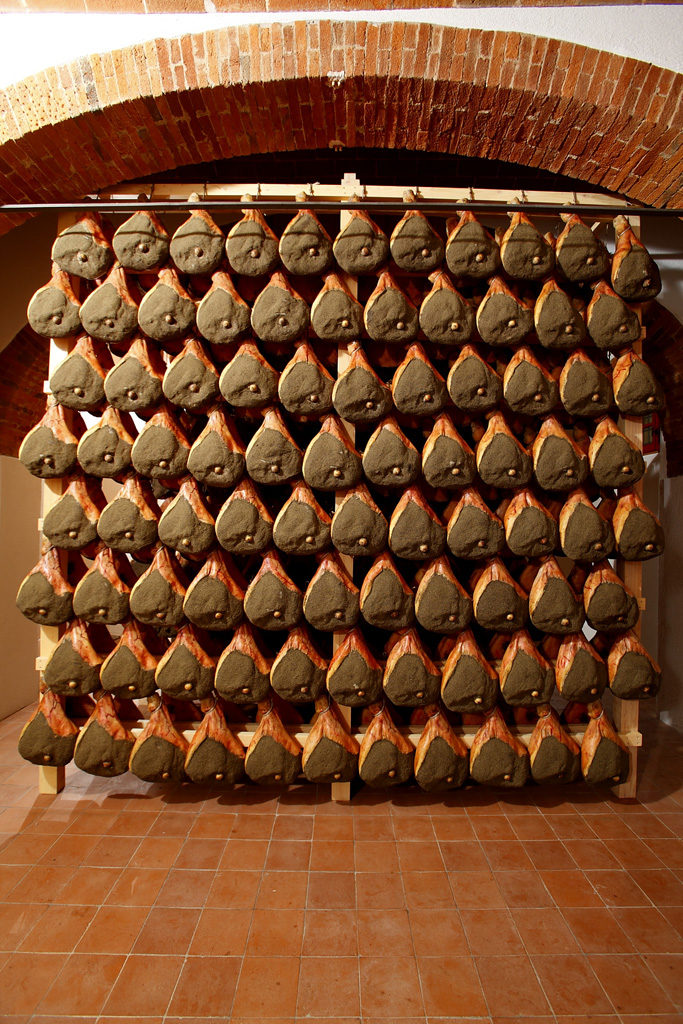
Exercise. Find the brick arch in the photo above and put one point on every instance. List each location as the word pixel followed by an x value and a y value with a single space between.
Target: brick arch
pixel 610 120
pixel 664 352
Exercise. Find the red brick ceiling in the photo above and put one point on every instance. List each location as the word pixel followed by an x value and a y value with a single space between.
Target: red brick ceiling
pixel 610 120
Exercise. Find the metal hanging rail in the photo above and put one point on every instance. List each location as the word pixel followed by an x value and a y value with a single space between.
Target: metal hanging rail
pixel 332 206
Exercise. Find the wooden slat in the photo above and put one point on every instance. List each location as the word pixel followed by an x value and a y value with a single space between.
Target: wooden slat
pixel 627 712
pixel 341 791
pixel 288 192
pixel 52 780
pixel 245 732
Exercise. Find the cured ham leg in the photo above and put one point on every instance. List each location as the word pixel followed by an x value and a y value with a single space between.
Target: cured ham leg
pixel 215 754
pixel 330 752
pixel 554 755
pixel 273 756
pixel 441 757
pixel 160 750
pixel 49 736
pixel 604 758
pixel 386 756
pixel 497 758
pixel 104 745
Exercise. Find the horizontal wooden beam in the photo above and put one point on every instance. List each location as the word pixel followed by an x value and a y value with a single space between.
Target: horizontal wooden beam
pixel 245 732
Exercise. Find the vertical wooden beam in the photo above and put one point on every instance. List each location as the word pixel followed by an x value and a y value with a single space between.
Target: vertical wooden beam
pixel 627 712
pixel 341 791
pixel 51 780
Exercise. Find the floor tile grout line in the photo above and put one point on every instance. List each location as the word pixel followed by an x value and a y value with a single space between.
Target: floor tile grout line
pixel 34 925
pixel 145 918
pixel 644 964
pixel 44 853
pixel 529 956
pixel 476 840
pixel 471 953
pixel 621 868
pixel 126 956
pixel 251 922
pixel 584 956
pixel 194 931
pixel 405 904
pixel 521 939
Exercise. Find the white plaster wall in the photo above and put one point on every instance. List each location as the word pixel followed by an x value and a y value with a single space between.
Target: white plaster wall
pixel 19 551
pixel 31 42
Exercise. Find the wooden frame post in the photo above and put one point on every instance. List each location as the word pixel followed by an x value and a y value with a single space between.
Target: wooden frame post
pixel 341 791
pixel 51 780
pixel 627 712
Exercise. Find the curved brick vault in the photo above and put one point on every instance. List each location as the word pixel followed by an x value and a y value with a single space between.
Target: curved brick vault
pixel 609 120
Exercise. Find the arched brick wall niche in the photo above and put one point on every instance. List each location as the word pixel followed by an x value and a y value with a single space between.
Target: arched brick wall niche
pixel 609 120
pixel 23 369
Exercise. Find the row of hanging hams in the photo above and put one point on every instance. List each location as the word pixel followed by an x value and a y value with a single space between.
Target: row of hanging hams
pixel 242 665
pixel 163 450
pixel 243 525
pixel 141 245
pixel 328 599
pixel 395 313
pixel 385 756
pixel 358 529
pixel 530 386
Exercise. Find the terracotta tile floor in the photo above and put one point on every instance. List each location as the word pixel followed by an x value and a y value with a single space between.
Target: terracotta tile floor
pixel 126 902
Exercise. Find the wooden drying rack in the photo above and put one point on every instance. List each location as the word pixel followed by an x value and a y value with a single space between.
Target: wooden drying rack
pixel 625 713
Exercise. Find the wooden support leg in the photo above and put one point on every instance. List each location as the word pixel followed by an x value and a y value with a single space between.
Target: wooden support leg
pixel 626 713
pixel 51 780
